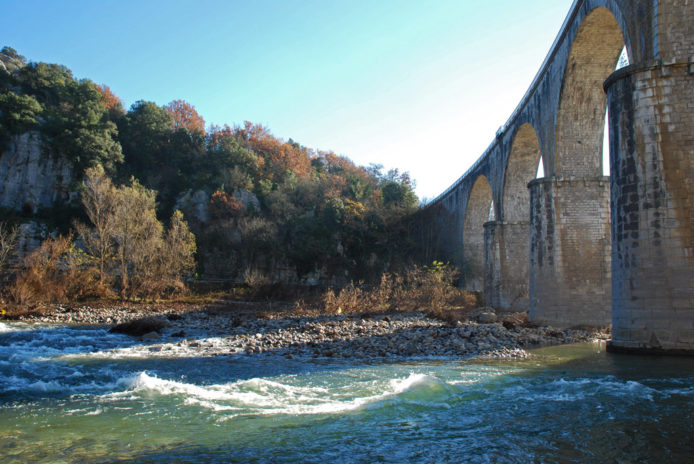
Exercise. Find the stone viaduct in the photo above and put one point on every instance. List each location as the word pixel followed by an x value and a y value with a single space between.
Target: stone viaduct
pixel 576 247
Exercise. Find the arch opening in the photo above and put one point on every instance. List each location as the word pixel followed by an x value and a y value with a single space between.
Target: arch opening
pixel 478 211
pixel 594 55
pixel 540 169
pixel 621 63
pixel 521 168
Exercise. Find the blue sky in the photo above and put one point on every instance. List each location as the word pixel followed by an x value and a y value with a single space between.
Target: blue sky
pixel 417 85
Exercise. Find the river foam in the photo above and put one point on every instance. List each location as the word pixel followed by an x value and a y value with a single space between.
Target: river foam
pixel 81 388
pixel 262 396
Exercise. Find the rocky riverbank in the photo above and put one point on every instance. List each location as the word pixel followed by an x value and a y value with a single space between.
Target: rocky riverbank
pixel 200 331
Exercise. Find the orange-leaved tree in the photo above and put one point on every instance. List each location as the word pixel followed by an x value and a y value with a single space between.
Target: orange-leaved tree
pixel 223 206
pixel 280 156
pixel 110 100
pixel 185 116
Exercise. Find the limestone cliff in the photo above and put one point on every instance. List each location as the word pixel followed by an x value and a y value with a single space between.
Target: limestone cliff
pixel 10 61
pixel 30 179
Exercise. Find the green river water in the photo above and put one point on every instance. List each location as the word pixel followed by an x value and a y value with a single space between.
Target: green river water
pixel 79 394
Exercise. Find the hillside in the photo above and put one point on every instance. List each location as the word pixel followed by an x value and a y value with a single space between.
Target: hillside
pixel 260 206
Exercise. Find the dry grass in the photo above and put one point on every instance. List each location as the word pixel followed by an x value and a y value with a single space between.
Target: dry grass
pixel 428 288
pixel 56 273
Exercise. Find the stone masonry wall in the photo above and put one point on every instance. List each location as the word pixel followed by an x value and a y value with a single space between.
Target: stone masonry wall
pixel 570 271
pixel 652 113
pixel 506 265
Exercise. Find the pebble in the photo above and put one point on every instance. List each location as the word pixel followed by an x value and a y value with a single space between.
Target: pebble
pixel 395 336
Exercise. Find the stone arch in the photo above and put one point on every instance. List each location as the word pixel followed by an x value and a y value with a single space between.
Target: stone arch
pixel 521 168
pixel 478 211
pixel 581 112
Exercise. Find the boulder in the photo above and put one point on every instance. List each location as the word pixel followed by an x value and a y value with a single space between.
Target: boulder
pixel 487 317
pixel 140 327
pixel 513 320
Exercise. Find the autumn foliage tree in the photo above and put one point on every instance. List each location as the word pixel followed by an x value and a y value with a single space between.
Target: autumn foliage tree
pixel 99 201
pixel 127 240
pixel 261 203
pixel 279 156
pixel 113 104
pixel 224 205
pixel 185 116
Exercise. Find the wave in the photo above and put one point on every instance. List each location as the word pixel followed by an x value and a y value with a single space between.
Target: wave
pixel 211 346
pixel 64 383
pixel 7 327
pixel 268 397
pixel 563 390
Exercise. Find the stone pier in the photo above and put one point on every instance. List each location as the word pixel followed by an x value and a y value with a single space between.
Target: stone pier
pixel 506 248
pixel 570 267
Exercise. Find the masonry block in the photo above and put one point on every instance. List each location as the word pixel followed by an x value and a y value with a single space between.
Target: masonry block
pixel 653 210
pixel 569 252
pixel 506 247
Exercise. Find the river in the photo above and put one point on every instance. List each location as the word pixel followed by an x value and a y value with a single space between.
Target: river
pixel 80 394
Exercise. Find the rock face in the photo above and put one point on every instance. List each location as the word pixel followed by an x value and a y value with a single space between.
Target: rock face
pixel 247 199
pixel 30 179
pixel 10 62
pixel 194 205
pixel 31 235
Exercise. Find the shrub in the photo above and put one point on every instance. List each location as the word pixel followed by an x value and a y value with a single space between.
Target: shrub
pixel 56 272
pixel 8 240
pixel 348 300
pixel 428 288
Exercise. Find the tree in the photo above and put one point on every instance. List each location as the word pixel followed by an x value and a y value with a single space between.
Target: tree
pixel 113 104
pixel 223 206
pixel 126 232
pixel 18 114
pixel 8 240
pixel 397 190
pixel 164 159
pixel 185 116
pixel 48 83
pixel 227 153
pixel 144 134
pixel 178 249
pixel 280 157
pixel 137 233
pixel 99 198
pixel 71 115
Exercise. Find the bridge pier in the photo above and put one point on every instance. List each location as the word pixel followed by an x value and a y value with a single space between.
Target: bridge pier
pixel 570 268
pixel 506 265
pixel 652 145
pixel 601 250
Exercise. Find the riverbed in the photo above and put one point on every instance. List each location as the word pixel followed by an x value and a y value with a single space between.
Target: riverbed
pixel 74 393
